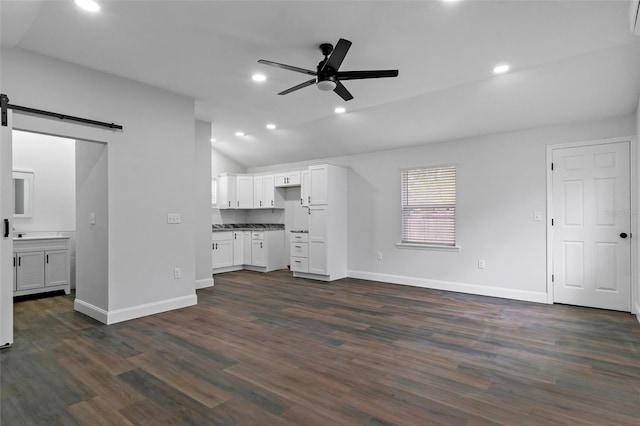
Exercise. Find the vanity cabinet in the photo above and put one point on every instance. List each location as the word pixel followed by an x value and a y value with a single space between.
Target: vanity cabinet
pixel 41 265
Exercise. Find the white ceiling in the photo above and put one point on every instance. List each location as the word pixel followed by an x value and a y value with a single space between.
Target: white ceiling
pixel 571 61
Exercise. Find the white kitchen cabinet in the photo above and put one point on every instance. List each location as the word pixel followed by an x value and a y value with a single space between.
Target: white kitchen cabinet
pixel 318 239
pixel 244 190
pixel 226 191
pixel 304 188
pixel 246 247
pixel 327 225
pixel 235 191
pixel 222 249
pixel 258 257
pixel 287 179
pixel 318 185
pixel 267 251
pixel 41 264
pixel 299 251
pixel 238 248
pixel 266 196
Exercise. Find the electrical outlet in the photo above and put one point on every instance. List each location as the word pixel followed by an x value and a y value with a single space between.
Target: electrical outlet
pixel 92 218
pixel 379 256
pixel 173 218
pixel 480 263
pixel 176 273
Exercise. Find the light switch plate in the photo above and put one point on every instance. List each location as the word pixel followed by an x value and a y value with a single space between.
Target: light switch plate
pixel 173 218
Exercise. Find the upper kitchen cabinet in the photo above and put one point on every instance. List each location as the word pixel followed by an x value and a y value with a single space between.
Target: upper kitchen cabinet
pixel 235 191
pixel 304 188
pixel 226 191
pixel 266 196
pixel 287 179
pixel 244 185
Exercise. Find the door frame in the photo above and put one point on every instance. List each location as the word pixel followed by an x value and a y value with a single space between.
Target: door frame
pixel 633 206
pixel 48 126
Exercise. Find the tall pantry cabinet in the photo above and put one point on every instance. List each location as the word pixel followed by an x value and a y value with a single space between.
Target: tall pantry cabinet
pixel 327 216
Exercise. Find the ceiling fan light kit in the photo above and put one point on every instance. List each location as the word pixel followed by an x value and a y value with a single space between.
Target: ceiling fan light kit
pixel 327 76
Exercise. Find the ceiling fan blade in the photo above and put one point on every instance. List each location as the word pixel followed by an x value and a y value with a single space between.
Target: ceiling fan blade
pixel 298 87
pixel 342 91
pixel 338 54
pixel 358 75
pixel 287 67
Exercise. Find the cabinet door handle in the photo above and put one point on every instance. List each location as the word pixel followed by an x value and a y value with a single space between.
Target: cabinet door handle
pixel 260 244
pixel 297 261
pixel 271 203
pixel 301 201
pixel 19 260
pixel 260 203
pixel 229 203
pixel 309 199
pixel 213 246
pixel 238 203
pixel 47 258
pixel 6 228
pixel 14 262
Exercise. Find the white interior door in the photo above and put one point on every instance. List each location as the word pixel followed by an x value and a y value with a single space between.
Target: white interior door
pixel 591 210
pixel 6 243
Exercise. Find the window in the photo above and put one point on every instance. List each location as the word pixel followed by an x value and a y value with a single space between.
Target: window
pixel 429 206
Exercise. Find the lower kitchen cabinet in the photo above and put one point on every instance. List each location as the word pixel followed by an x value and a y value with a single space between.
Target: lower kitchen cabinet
pixel 261 251
pixel 41 265
pixel 222 249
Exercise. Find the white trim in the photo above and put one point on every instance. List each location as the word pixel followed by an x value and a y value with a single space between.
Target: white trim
pixel 420 246
pixel 634 223
pixel 637 311
pixel 125 314
pixel 481 290
pixel 227 269
pixel 90 310
pixel 207 282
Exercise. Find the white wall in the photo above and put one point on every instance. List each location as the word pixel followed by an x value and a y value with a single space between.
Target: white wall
pixel 150 167
pixel 501 182
pixel 92 246
pixel 637 277
pixel 52 159
pixel 203 204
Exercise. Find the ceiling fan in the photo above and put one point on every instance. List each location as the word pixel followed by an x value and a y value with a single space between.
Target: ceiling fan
pixel 328 77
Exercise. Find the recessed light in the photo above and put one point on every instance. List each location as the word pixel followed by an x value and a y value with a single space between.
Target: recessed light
pixel 271 126
pixel 501 69
pixel 88 5
pixel 259 77
pixel 339 110
pixel 212 140
pixel 239 134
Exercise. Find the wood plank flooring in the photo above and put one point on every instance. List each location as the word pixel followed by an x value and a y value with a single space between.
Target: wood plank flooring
pixel 267 349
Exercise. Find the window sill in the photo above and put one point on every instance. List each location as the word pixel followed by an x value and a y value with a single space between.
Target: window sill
pixel 434 247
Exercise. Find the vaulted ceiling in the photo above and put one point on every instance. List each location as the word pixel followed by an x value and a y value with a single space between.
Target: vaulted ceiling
pixel 570 61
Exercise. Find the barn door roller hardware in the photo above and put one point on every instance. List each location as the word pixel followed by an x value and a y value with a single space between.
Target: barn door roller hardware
pixel 4 105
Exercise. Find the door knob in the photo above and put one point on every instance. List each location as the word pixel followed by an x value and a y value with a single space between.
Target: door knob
pixel 623 235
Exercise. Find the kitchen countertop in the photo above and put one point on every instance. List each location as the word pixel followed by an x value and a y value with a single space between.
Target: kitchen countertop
pixel 248 227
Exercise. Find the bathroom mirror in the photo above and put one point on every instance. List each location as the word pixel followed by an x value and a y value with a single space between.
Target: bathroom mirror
pixel 23 194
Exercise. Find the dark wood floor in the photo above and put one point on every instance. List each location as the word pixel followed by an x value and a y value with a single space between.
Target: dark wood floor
pixel 267 349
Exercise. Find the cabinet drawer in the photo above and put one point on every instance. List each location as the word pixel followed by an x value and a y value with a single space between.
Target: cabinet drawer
pixel 298 237
pixel 257 235
pixel 222 236
pixel 299 249
pixel 300 264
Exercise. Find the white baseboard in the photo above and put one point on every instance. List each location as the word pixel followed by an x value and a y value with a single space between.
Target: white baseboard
pixel 481 290
pixel 125 314
pixel 90 310
pixel 207 282
pixel 638 311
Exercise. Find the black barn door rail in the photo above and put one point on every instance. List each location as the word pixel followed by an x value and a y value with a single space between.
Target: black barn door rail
pixel 4 105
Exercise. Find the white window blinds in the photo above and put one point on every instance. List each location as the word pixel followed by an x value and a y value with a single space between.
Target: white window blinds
pixel 429 206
